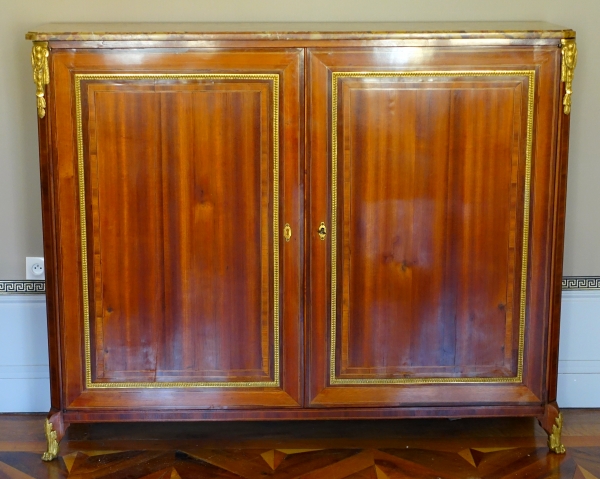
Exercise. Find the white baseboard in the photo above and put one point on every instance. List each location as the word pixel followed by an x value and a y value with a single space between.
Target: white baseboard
pixel 25 386
pixel 24 395
pixel 579 358
pixel 24 379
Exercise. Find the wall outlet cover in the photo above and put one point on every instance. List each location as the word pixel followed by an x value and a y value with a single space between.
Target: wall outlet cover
pixel 34 268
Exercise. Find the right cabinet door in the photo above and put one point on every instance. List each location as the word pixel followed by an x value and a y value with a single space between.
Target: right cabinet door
pixel 432 171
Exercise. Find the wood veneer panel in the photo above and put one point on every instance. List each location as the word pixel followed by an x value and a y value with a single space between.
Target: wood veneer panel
pixel 190 233
pixel 558 231
pixel 218 245
pixel 126 202
pixel 496 115
pixel 362 411
pixel 429 228
pixel 198 216
pixel 51 258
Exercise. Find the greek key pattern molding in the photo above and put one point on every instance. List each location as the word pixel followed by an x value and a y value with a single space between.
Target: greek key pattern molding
pixel 580 282
pixel 569 283
pixel 22 287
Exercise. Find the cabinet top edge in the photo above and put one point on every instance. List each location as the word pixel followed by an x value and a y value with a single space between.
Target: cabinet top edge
pixel 295 31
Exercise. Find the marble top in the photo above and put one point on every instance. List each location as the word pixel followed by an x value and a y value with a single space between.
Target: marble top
pixel 296 31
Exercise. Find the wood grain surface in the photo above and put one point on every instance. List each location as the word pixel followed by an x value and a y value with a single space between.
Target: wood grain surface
pixel 429 215
pixel 475 448
pixel 428 226
pixel 191 236
pixel 183 249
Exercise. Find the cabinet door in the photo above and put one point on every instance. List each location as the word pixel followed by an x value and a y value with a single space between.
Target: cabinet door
pixel 176 173
pixel 431 170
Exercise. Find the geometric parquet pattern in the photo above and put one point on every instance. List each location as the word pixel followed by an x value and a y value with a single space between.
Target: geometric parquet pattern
pixel 429 457
pixel 488 463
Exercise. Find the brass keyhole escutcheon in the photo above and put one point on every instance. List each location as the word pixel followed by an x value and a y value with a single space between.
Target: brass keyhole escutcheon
pixel 322 231
pixel 287 231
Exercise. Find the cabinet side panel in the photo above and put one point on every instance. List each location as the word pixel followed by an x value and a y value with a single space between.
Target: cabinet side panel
pixel 51 259
pixel 558 234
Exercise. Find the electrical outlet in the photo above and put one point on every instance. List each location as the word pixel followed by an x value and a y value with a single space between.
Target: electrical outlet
pixel 34 268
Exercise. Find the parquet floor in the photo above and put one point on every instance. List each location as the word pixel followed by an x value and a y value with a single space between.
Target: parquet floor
pixel 469 448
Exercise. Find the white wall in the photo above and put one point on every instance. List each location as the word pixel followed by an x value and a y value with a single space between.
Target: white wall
pixel 24 383
pixel 20 216
pixel 25 387
pixel 579 365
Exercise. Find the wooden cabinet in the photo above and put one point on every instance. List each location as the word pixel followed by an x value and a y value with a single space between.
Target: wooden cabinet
pixel 303 222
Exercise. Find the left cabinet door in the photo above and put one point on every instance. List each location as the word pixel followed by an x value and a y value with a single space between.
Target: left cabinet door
pixel 174 174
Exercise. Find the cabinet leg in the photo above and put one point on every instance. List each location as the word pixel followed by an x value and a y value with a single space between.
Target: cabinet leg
pixel 552 422
pixel 54 429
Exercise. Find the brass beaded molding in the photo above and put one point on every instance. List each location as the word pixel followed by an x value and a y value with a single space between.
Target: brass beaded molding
pixel 530 75
pixel 274 79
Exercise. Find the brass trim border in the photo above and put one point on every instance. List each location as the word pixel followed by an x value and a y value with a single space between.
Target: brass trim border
pixel 272 77
pixel 335 76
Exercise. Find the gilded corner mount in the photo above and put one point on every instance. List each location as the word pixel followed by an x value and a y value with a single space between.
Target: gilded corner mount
pixel 52 442
pixel 41 74
pixel 569 62
pixel 554 442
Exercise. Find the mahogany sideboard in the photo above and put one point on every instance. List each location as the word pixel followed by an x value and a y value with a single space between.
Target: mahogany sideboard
pixel 303 221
